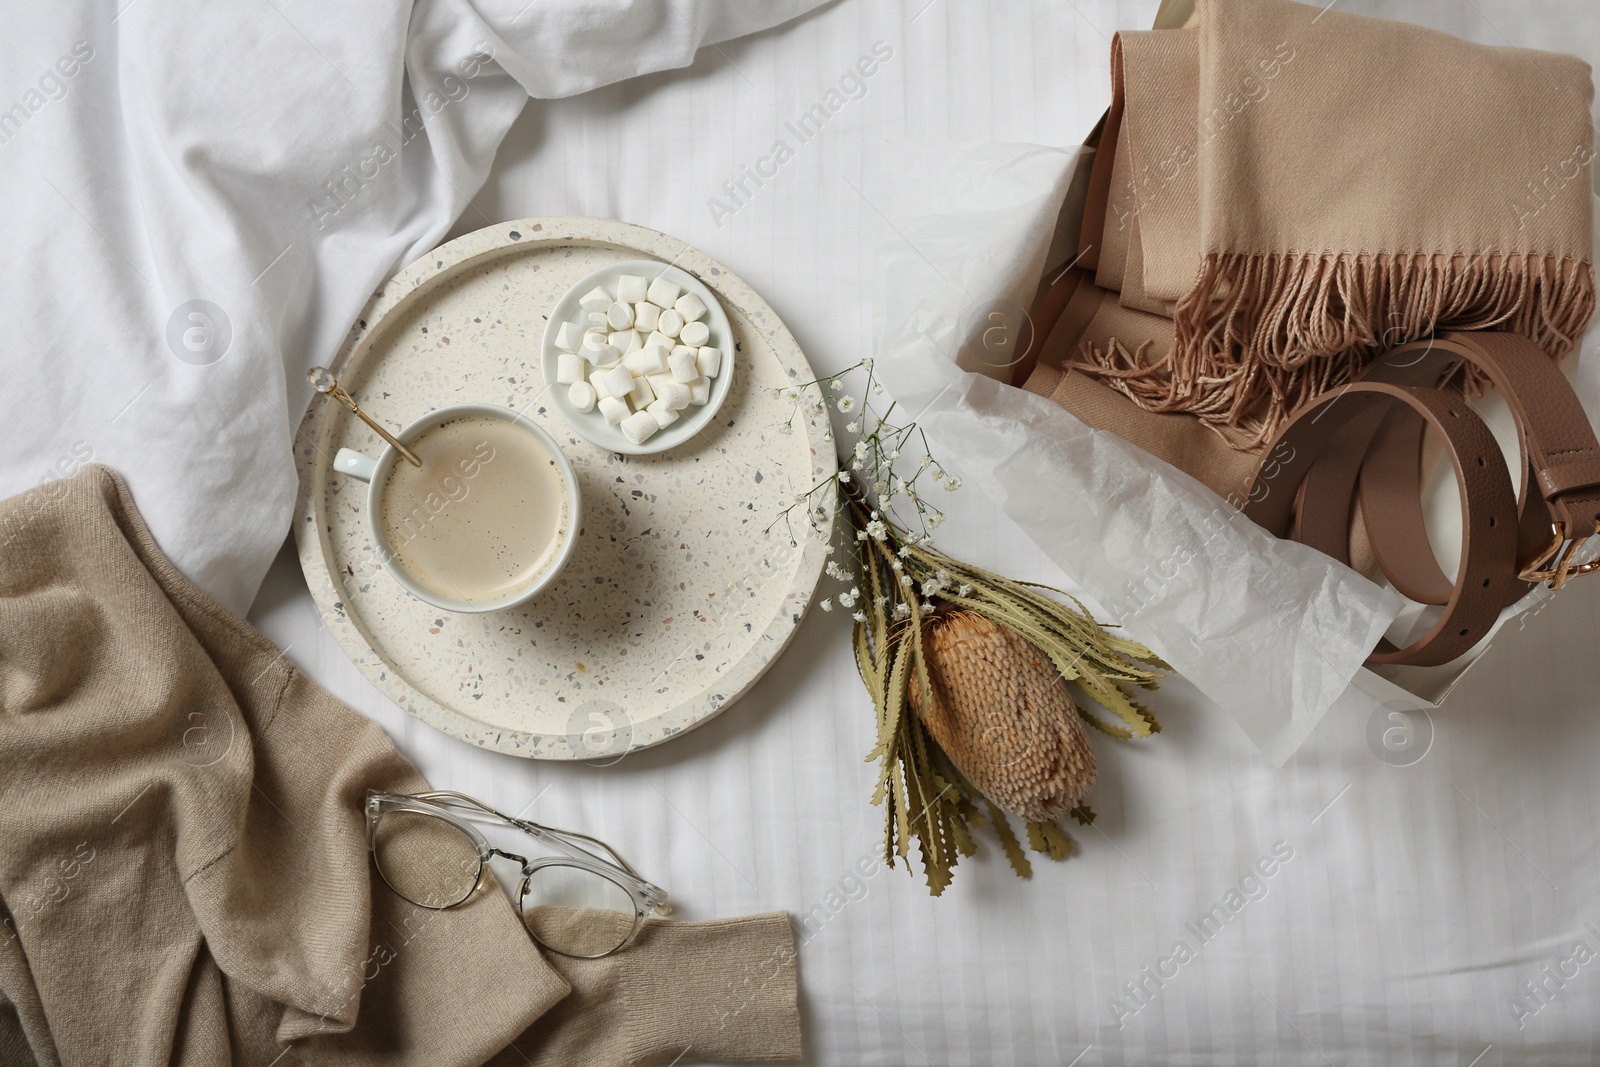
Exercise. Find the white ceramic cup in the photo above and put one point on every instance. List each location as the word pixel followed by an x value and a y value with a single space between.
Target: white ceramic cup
pixel 375 472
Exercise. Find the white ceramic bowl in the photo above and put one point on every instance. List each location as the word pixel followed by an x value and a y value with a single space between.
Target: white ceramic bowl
pixel 590 425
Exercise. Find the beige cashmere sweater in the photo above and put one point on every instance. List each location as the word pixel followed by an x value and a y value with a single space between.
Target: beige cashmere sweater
pixel 184 875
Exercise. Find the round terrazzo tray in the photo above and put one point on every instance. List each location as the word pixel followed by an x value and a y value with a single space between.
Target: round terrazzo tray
pixel 674 602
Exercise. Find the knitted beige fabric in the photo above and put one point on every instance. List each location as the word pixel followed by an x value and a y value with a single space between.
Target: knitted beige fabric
pixel 1297 187
pixel 183 860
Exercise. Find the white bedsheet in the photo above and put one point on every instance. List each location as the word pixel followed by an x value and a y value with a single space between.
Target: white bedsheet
pixel 1409 908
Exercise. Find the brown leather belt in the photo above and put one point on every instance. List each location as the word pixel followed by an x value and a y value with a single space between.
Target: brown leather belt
pixel 1364 441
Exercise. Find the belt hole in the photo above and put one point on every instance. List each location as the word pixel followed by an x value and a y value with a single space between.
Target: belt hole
pixel 1491 520
pixel 1481 462
pixel 1454 414
pixel 1464 631
pixel 1486 583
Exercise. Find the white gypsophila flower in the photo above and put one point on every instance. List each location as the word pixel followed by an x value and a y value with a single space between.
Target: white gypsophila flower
pixel 965 590
pixel 877 389
pixel 827 550
pixel 857 464
pixel 846 404
pixel 878 487
pixel 931 586
pixel 905 580
pixel 902 609
pixel 880 601
pixel 844 477
pixel 826 604
pixel 905 550
pixel 943 576
pixel 866 363
pixel 791 394
pixel 951 484
pixel 853 427
pixel 861 535
pixel 836 385
pixel 928 608
pixel 863 450
pixel 894 454
pixel 935 519
pixel 897 565
pixel 786 429
pixel 877 530
pixel 927 461
pixel 860 616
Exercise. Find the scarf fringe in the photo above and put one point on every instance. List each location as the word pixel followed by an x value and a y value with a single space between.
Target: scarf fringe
pixel 1259 335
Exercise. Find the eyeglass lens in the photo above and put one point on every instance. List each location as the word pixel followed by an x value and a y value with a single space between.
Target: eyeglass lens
pixel 425 859
pixel 578 912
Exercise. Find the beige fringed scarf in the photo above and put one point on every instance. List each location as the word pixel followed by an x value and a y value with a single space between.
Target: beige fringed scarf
pixel 1295 187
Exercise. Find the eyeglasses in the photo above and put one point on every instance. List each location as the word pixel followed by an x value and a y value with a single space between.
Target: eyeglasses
pixel 585 903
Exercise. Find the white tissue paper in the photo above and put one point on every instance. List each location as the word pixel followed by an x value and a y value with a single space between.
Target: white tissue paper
pixel 1271 630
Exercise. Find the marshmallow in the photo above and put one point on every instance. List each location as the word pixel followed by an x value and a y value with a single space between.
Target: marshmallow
pixel 623 341
pixel 581 396
pixel 691 307
pixel 645 315
pixel 644 361
pixel 596 299
pixel 620 316
pixel 675 395
pixel 630 289
pixel 598 318
pixel 665 416
pixel 659 382
pixel 569 338
pixel 602 356
pixel 639 426
pixel 700 390
pixel 660 340
pixel 694 333
pixel 663 293
pixel 682 364
pixel 641 395
pixel 618 381
pixel 613 409
pixel 571 368
pixel 709 361
pixel 670 322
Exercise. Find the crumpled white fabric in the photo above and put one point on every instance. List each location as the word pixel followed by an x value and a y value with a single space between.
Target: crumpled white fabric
pixel 1271 630
pixel 199 198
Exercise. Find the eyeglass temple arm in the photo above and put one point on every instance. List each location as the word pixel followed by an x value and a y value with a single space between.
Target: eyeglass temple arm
pixel 558 836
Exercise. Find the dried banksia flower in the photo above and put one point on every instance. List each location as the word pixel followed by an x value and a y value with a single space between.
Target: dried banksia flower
pixel 1004 716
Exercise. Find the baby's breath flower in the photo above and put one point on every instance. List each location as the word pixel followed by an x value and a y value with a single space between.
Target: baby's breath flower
pixel 786 429
pixel 860 616
pixel 965 590
pixel 935 519
pixel 826 604
pixel 880 601
pixel 836 385
pixel 863 450
pixel 827 550
pixel 844 477
pixel 927 461
pixel 878 487
pixel 951 484
pixel 902 609
pixel 905 550
pixel 905 580
pixel 931 586
pixel 853 427
pixel 894 453
pixel 877 530
pixel 897 565
pixel 928 608
pixel 846 403
pixel 861 535
pixel 866 364
pixel 791 394
pixel 877 389
pixel 943 576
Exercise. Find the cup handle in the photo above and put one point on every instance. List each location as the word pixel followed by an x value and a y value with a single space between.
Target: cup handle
pixel 349 461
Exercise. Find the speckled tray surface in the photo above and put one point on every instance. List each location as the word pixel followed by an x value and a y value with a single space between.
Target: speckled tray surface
pixel 674 602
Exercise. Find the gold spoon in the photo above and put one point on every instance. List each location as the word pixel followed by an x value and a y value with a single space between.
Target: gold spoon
pixel 323 381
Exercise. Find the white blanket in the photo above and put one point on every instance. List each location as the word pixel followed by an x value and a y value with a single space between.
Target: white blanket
pixel 199 198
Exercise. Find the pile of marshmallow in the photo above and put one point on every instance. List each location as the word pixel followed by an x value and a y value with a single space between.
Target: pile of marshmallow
pixel 639 359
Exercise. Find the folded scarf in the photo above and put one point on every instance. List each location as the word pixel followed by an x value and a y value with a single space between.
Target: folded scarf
pixel 1298 187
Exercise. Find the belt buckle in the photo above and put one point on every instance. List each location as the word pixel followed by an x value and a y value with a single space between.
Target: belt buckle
pixel 1554 564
